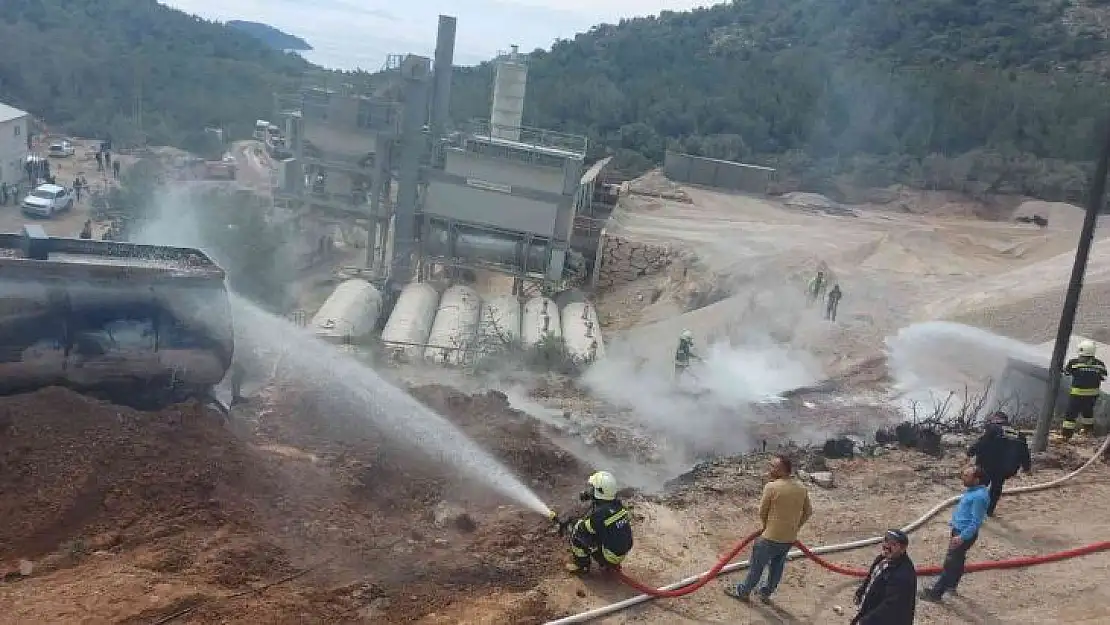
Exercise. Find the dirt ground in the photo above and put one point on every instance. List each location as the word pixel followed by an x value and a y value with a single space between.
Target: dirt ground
pixel 126 517
pixel 683 531
pixel 921 256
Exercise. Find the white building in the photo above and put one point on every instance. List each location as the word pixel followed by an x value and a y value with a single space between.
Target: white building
pixel 14 126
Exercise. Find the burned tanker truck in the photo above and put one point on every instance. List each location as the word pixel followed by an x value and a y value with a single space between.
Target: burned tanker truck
pixel 138 325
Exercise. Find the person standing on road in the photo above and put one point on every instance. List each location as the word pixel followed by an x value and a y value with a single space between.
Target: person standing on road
pixel 833 302
pixel 115 169
pixel 1001 451
pixel 783 510
pixel 1086 373
pixel 967 518
pixel 887 594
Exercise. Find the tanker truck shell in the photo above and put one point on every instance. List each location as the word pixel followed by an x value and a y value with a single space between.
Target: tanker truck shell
pixel 139 325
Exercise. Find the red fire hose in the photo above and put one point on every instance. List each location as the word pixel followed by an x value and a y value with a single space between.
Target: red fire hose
pixel 1012 563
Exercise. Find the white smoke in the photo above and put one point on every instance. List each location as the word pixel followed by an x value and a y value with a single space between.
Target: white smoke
pixel 709 410
pixel 941 361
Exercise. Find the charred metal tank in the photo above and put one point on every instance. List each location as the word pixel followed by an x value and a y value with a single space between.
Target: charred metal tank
pixel 139 325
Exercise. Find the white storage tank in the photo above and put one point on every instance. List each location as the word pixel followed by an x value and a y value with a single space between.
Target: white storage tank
pixel 407 330
pixel 350 312
pixel 456 326
pixel 500 323
pixel 582 332
pixel 541 317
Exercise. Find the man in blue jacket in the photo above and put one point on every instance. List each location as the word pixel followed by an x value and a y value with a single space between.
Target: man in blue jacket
pixel 967 518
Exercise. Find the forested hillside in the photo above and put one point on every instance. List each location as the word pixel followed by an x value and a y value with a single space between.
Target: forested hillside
pixel 976 95
pixel 86 65
pixel 276 39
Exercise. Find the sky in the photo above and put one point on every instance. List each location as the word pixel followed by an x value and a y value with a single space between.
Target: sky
pixel 352 34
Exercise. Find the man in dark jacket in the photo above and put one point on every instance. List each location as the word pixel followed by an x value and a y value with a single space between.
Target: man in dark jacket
pixel 887 595
pixel 1000 452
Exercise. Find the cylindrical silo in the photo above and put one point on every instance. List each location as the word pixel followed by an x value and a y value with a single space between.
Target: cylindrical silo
pixel 500 323
pixel 509 84
pixel 582 332
pixel 456 326
pixel 541 318
pixel 350 312
pixel 408 327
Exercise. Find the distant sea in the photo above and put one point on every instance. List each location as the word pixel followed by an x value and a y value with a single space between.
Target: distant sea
pixel 352 34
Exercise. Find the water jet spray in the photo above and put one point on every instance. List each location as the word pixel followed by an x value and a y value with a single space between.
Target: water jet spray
pixel 399 416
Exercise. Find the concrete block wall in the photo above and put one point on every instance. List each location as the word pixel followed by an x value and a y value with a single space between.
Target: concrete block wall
pixel 623 260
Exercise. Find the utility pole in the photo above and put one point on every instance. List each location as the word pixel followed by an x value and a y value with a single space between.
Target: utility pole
pixel 1075 288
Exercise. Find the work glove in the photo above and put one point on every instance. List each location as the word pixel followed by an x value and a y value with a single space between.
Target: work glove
pixel 562 526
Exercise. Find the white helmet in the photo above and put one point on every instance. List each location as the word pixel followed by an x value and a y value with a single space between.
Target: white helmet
pixel 1087 348
pixel 687 335
pixel 604 485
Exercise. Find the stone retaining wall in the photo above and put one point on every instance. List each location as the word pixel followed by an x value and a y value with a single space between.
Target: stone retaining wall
pixel 622 260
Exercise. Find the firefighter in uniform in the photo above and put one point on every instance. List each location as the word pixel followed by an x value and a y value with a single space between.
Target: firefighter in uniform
pixel 604 533
pixel 1087 374
pixel 684 354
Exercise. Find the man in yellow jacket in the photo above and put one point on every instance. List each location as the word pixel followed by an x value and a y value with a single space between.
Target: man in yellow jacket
pixel 783 510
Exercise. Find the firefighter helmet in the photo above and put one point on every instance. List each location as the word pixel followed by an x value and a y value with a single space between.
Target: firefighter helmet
pixel 687 335
pixel 1087 349
pixel 604 485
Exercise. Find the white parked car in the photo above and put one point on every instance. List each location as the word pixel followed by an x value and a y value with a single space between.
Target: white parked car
pixel 47 200
pixel 61 149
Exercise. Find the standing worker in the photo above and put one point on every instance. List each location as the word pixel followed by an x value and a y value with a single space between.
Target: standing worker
pixel 816 289
pixel 887 595
pixel 783 510
pixel 238 374
pixel 833 301
pixel 1087 374
pixel 967 518
pixel 604 533
pixel 1000 452
pixel 684 354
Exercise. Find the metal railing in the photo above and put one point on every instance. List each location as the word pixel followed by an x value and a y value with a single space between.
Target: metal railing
pixel 532 137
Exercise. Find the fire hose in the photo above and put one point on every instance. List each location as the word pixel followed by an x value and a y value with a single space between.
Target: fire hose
pixel 695 582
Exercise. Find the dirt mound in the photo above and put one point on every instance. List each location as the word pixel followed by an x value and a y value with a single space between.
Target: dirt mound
pixel 288 509
pixel 73 466
pixel 512 436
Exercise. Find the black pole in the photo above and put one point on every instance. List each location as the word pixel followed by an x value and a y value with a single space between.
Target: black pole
pixel 1075 288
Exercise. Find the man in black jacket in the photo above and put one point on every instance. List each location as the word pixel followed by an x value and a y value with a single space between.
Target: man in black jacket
pixel 1000 451
pixel 888 595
